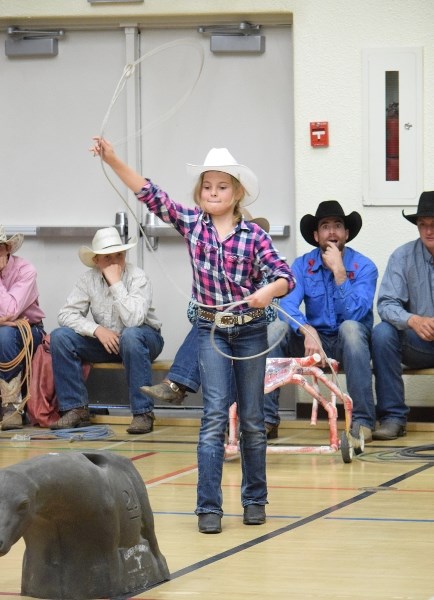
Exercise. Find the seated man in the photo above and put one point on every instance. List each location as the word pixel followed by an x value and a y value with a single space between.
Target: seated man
pixel 124 328
pixel 337 285
pixel 406 332
pixel 19 299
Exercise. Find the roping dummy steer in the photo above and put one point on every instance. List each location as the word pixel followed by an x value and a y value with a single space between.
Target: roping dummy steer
pixel 87 525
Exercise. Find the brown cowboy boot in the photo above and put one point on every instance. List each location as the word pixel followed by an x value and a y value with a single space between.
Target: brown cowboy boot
pixel 76 417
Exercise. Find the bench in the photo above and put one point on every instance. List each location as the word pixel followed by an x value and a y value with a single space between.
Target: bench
pixel 107 384
pixel 418 413
pixel 157 365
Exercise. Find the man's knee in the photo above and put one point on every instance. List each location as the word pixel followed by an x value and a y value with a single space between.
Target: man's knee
pixel 59 336
pixel 383 334
pixel 352 329
pixel 131 338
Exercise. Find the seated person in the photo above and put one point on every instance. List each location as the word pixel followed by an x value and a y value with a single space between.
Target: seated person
pixel 337 285
pixel 124 328
pixel 19 299
pixel 406 332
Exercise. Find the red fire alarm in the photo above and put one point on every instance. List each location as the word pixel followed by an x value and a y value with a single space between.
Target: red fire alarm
pixel 319 133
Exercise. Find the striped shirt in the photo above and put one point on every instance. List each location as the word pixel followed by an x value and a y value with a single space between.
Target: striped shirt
pixel 224 272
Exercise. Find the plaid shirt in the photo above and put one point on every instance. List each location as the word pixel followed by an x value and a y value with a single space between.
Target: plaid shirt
pixel 227 271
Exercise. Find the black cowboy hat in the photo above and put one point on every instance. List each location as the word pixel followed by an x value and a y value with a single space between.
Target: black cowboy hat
pixel 329 208
pixel 425 208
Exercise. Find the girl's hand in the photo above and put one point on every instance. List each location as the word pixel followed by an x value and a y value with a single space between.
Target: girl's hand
pixel 103 148
pixel 260 299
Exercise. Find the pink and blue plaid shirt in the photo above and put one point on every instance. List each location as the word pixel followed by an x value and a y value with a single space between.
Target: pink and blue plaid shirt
pixel 224 272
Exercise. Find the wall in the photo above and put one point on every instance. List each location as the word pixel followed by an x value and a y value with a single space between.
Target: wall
pixel 328 38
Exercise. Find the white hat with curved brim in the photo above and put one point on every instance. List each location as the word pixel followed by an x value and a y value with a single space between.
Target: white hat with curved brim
pixel 105 241
pixel 220 159
pixel 14 242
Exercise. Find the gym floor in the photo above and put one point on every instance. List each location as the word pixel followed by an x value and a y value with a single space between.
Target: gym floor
pixel 334 530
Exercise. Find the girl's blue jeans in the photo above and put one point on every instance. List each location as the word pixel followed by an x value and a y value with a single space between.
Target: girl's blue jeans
pixel 139 346
pixel 216 373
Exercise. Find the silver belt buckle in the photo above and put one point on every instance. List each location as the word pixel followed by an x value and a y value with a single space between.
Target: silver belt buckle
pixel 218 319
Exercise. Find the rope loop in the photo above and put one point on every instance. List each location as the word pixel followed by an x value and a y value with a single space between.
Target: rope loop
pixel 25 355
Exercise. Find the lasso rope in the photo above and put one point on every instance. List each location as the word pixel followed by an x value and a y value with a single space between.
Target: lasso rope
pixel 25 355
pixel 127 73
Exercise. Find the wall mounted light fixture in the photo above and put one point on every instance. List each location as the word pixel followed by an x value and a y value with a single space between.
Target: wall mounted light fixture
pixel 115 1
pixel 22 43
pixel 243 38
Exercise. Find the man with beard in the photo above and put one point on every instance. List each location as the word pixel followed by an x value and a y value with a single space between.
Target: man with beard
pixel 337 285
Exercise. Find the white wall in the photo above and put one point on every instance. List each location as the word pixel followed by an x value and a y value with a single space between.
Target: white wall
pixel 328 38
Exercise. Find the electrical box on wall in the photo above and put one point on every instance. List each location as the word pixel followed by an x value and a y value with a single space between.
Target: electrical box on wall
pixel 319 133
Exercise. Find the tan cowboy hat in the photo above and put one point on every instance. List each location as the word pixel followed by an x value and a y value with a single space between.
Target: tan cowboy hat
pixel 329 208
pixel 425 208
pixel 14 242
pixel 261 221
pixel 220 159
pixel 105 241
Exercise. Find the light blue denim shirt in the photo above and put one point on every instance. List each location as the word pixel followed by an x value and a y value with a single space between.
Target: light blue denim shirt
pixel 407 285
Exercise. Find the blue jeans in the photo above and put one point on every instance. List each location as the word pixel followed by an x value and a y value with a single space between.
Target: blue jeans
pixel 351 347
pixel 185 367
pixel 271 400
pixel 139 346
pixel 11 344
pixel 390 348
pixel 217 374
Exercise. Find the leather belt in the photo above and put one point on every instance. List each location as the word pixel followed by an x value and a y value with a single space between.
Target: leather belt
pixel 230 319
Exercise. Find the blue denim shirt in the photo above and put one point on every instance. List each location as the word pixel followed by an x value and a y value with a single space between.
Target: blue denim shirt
pixel 327 305
pixel 407 285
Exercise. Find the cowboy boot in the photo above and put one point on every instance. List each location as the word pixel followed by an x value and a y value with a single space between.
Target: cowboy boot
pixel 11 399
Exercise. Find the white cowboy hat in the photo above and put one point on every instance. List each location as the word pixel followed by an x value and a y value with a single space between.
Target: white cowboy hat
pixel 220 159
pixel 14 242
pixel 105 241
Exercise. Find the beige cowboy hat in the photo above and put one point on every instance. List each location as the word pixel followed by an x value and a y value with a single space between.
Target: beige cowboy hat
pixel 261 221
pixel 14 242
pixel 220 159
pixel 105 241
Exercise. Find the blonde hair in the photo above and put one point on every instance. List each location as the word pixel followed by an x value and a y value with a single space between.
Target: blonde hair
pixel 239 190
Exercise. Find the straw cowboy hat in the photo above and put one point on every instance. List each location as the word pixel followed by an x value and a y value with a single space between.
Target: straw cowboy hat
pixel 105 241
pixel 14 242
pixel 425 208
pixel 329 208
pixel 261 221
pixel 220 159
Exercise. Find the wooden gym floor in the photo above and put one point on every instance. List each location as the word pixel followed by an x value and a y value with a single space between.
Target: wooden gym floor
pixel 334 530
